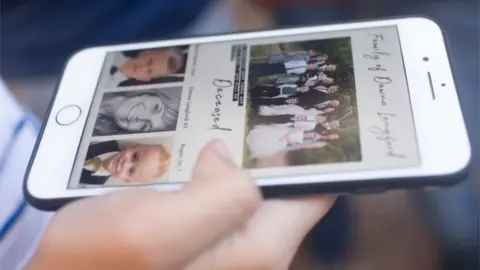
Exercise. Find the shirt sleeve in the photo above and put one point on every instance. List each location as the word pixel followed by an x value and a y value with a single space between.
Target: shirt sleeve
pixel 20 224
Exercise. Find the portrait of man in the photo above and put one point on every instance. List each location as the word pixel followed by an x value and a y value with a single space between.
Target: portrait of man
pixel 146 67
pixel 135 164
pixel 138 111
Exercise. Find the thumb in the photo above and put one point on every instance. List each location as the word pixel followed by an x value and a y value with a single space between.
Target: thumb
pixel 220 198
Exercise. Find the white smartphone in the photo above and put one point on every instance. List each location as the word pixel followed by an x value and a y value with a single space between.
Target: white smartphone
pixel 357 107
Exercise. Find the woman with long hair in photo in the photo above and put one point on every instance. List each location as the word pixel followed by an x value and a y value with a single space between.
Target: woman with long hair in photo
pixel 138 112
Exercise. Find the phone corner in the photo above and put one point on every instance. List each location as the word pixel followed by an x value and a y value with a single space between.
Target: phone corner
pixel 30 198
pixel 80 57
pixel 424 20
pixel 82 52
pixel 427 23
pixel 459 173
pixel 464 161
pixel 45 205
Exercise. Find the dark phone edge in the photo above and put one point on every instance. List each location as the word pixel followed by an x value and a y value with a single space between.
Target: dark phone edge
pixel 354 187
pixel 344 187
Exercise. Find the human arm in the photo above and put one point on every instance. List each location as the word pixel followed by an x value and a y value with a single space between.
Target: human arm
pixel 325 111
pixel 142 228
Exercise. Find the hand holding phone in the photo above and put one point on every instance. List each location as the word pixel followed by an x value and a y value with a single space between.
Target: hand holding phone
pixel 129 229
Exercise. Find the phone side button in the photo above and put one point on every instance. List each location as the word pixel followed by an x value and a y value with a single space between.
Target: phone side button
pixel 370 190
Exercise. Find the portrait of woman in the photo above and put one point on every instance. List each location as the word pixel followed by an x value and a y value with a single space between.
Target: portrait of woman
pixel 143 111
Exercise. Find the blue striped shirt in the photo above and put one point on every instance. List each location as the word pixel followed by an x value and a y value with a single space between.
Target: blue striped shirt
pixel 20 225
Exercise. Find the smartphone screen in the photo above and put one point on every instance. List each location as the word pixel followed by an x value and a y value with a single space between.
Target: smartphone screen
pixel 300 104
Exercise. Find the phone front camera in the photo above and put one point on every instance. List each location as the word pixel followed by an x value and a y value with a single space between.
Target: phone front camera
pixel 443 85
pixel 426 59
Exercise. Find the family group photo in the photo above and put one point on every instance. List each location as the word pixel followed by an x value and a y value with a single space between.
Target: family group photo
pixel 147 67
pixel 124 162
pixel 301 105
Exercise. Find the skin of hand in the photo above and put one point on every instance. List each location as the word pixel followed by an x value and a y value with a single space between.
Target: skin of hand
pixel 218 221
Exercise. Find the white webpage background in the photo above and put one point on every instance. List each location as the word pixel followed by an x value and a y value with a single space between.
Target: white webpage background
pixel 212 61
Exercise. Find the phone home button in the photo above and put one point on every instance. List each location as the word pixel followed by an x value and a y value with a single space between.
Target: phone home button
pixel 68 115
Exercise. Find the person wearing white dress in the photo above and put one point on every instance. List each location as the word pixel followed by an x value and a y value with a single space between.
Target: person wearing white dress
pixel 292 109
pixel 308 120
pixel 268 140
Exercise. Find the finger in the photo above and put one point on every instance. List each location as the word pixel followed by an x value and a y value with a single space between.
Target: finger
pixel 285 223
pixel 225 194
pixel 300 215
pixel 272 236
pixel 220 198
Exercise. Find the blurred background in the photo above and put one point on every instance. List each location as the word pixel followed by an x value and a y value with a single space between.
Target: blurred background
pixel 404 230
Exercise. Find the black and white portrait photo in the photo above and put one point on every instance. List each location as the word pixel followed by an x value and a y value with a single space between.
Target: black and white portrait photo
pixel 138 111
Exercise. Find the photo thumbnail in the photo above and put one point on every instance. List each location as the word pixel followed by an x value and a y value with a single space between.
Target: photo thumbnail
pixel 138 111
pixel 127 162
pixel 301 105
pixel 147 67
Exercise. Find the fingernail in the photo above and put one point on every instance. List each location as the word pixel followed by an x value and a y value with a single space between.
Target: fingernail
pixel 222 149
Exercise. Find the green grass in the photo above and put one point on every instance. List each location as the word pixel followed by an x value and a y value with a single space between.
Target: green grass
pixel 258 51
pixel 248 162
